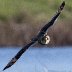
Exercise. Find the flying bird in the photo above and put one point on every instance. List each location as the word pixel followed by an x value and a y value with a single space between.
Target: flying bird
pixel 41 37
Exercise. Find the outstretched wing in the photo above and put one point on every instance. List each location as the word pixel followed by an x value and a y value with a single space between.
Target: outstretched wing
pixel 18 55
pixel 51 22
pixel 42 32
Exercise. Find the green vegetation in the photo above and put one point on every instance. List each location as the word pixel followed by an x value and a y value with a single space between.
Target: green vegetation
pixel 19 16
pixel 33 7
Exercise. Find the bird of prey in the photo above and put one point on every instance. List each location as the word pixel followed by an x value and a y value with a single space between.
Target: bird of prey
pixel 41 37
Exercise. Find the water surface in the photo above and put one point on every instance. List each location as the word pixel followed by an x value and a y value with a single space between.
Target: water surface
pixel 38 59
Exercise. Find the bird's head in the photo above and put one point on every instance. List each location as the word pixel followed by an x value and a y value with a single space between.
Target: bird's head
pixel 44 40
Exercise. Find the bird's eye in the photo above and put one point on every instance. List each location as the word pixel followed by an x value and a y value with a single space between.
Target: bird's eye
pixel 46 38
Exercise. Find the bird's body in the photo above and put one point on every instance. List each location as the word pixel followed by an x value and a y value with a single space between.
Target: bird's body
pixel 44 40
pixel 42 37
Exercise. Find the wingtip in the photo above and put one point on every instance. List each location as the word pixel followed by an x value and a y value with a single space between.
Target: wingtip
pixel 3 69
pixel 62 5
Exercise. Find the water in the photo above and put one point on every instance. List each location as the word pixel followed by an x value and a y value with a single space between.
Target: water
pixel 38 59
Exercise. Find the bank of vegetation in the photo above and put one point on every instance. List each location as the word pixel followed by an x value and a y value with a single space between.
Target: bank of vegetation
pixel 20 20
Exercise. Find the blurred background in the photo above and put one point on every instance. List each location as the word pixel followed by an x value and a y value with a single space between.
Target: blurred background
pixel 21 20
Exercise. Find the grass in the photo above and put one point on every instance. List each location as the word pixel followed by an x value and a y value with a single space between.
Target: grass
pixel 33 7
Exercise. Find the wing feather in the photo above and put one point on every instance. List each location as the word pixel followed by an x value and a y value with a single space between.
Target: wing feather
pixel 42 32
pixel 51 22
pixel 18 55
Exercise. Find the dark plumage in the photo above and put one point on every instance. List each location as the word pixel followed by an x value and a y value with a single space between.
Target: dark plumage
pixel 41 37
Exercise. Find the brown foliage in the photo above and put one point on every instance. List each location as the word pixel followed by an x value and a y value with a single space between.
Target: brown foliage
pixel 19 29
